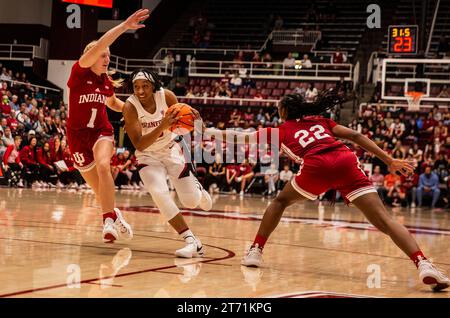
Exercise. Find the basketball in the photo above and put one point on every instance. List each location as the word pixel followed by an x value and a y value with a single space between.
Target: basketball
pixel 186 123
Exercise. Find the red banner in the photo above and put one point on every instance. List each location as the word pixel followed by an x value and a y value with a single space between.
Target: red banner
pixel 97 3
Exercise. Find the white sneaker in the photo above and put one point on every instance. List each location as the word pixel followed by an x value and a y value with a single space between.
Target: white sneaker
pixel 193 248
pixel 253 257
pixel 59 185
pixel 36 185
pixel 431 276
pixel 241 194
pixel 136 186
pixel 122 227
pixel 20 184
pixel 206 201
pixel 51 185
pixel 413 205
pixel 109 231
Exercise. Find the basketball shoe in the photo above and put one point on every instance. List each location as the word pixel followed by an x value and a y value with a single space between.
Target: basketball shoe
pixel 253 258
pixel 431 276
pixel 109 231
pixel 122 227
pixel 193 248
pixel 206 201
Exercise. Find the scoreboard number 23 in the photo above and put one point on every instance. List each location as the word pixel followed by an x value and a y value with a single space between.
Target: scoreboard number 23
pixel 402 39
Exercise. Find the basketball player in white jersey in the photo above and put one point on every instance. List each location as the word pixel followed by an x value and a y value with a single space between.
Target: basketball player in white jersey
pixel 147 124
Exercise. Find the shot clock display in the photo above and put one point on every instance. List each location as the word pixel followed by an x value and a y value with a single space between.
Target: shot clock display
pixel 402 39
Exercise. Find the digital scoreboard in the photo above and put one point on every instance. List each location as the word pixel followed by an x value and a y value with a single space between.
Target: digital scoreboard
pixel 403 39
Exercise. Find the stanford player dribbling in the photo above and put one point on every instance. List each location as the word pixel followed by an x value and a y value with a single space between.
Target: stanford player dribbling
pixel 90 135
pixel 326 163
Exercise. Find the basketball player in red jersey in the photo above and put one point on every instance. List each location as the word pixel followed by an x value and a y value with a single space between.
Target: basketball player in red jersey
pixel 326 163
pixel 90 135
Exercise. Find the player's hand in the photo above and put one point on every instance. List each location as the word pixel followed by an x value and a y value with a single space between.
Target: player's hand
pixel 170 118
pixel 402 166
pixel 135 20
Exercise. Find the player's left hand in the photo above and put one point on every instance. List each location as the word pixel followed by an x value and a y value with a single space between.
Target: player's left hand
pixel 402 166
pixel 135 20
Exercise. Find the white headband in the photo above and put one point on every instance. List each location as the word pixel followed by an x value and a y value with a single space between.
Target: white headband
pixel 142 76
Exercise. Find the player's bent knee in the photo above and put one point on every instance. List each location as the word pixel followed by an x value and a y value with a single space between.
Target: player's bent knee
pixel 165 203
pixel 190 200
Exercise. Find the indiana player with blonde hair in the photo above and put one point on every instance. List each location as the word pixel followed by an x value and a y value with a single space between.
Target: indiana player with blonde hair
pixel 147 123
pixel 90 135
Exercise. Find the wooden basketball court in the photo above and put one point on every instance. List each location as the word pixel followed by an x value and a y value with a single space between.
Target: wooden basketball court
pixel 50 246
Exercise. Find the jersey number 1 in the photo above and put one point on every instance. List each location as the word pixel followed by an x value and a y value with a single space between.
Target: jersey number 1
pixel 92 120
pixel 306 139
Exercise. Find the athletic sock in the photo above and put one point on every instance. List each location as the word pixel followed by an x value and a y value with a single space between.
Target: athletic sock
pixel 417 257
pixel 186 234
pixel 260 240
pixel 112 215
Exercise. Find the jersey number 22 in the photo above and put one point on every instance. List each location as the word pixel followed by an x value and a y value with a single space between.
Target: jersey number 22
pixel 305 136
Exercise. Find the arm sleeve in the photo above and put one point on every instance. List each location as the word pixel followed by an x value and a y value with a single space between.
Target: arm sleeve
pixel 76 75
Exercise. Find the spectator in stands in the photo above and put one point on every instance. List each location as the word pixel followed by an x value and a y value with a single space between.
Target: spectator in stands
pixel 416 152
pixel 441 166
pixel 231 174
pixel 311 93
pixel 14 103
pixel 5 107
pixel 196 38
pixel 339 56
pixel 444 93
pixel 235 117
pixel 216 175
pixel 428 186
pixel 286 176
pixel 289 62
pixel 267 60
pixel 235 82
pixel 278 25
pixel 392 183
pixel 46 169
pixel 256 58
pixel 31 166
pixel 306 62
pixel 12 165
pixel 245 175
pixel 300 89
pixel 7 137
pixel 409 185
pixel 224 91
pixel 5 76
pixel 377 180
pixel 271 177
pixel 437 114
pixel 249 117
pixel 12 122
pixel 180 89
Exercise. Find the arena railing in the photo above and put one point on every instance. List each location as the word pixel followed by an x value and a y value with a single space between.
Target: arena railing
pixel 395 107
pixel 126 66
pixel 162 52
pixel 44 89
pixel 214 100
pixel 24 52
pixel 272 70
pixel 295 37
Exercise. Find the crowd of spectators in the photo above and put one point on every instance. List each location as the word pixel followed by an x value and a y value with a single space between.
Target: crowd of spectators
pixel 421 138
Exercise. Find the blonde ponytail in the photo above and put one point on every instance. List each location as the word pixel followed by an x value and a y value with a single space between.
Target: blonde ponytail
pixel 116 83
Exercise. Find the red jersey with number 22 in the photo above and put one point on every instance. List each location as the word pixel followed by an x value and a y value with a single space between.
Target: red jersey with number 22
pixel 300 138
pixel 87 99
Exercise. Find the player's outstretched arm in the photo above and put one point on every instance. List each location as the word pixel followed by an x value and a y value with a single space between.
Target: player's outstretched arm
pixel 115 103
pixel 394 165
pixel 134 130
pixel 132 23
pixel 228 134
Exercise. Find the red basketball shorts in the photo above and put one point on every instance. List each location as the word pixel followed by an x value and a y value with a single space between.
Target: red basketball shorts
pixel 82 143
pixel 339 170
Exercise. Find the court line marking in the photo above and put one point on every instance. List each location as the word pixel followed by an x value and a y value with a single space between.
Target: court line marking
pixel 235 215
pixel 243 240
pixel 230 254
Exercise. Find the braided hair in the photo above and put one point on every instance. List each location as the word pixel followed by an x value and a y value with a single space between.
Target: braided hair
pixel 151 76
pixel 295 105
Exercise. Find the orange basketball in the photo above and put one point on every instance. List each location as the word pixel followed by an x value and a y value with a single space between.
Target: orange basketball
pixel 185 124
